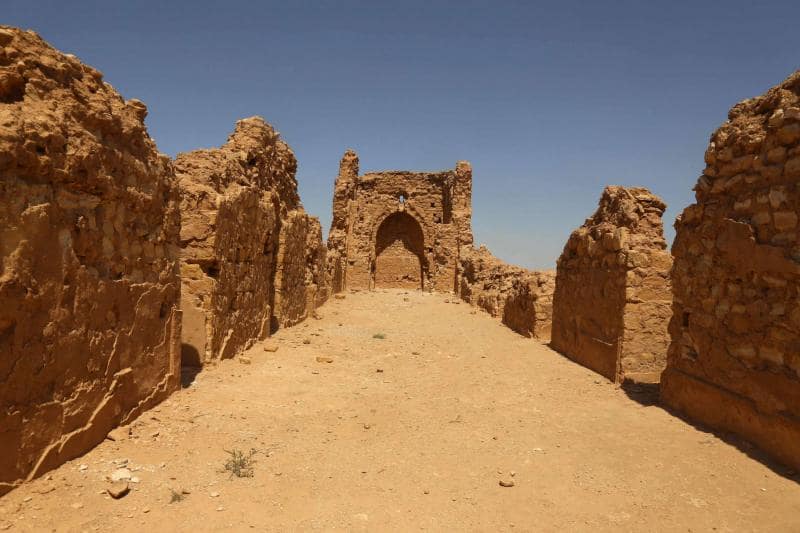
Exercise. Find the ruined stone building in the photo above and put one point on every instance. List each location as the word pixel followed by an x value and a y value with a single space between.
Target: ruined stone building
pixel 521 298
pixel 734 359
pixel 252 259
pixel 89 287
pixel 399 229
pixel 96 265
pixel 612 296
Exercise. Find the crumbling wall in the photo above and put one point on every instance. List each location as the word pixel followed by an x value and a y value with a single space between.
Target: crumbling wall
pixel 89 322
pixel 301 283
pixel 612 298
pixel 734 359
pixel 250 259
pixel 522 299
pixel 376 213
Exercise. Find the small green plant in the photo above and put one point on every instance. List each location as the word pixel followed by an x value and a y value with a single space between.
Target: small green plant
pixel 240 464
pixel 175 496
pixel 379 336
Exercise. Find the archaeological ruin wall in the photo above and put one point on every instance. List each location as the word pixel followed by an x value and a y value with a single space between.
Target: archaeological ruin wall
pixel 252 260
pixel 89 287
pixel 399 229
pixel 734 359
pixel 521 298
pixel 612 297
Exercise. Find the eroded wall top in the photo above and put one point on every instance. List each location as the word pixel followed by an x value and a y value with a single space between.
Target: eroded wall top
pixel 88 259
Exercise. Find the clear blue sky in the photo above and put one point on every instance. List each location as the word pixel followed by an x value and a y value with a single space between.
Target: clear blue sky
pixel 550 101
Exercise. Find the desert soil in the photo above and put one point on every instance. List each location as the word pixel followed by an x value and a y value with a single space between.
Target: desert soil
pixel 407 432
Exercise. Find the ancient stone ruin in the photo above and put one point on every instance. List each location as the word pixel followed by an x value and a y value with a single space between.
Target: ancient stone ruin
pixel 734 359
pixel 118 266
pixel 89 319
pixel 251 258
pixel 612 297
pixel 399 229
pixel 521 298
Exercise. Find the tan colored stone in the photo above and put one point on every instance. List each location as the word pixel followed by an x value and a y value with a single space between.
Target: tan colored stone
pixel 398 229
pixel 89 333
pixel 739 377
pixel 611 305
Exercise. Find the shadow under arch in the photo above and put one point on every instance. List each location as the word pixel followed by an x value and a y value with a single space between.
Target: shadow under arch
pixel 399 256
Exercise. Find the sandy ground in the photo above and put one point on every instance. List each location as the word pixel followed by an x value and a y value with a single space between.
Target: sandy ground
pixel 412 431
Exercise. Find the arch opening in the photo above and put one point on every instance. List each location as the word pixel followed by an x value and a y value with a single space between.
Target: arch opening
pixel 399 253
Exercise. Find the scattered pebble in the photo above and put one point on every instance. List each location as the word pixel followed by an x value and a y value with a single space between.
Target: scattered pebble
pixel 244 360
pixel 214 494
pixel 379 370
pixel 77 505
pixel 506 483
pixel 118 489
pixel 306 341
pixel 121 474
pixel 324 359
pixel 83 468
pixel 367 426
pixel 270 346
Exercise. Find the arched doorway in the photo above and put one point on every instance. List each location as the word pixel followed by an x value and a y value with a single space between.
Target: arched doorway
pixel 399 253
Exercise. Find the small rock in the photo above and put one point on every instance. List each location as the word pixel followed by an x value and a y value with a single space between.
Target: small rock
pixel 512 473
pixel 83 468
pixel 118 489
pixel 118 434
pixel 270 346
pixel 5 526
pixel 185 491
pixel 77 505
pixel 27 498
pixel 306 341
pixel 426 491
pixel 154 434
pixel 504 483
pixel 244 360
pixel 367 426
pixel 220 508
pixel 324 359
pixel 121 474
pixel 339 296
pixel 214 494
pixel 146 510
pixel 379 370
pixel 134 479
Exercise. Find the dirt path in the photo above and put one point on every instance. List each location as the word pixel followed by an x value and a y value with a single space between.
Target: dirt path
pixel 412 431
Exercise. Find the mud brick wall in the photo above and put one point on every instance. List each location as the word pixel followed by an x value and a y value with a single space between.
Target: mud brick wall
pixel 398 228
pixel 522 299
pixel 301 283
pixel 89 287
pixel 245 244
pixel 734 359
pixel 612 298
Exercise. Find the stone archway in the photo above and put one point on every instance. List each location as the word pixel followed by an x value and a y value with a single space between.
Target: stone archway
pixel 399 253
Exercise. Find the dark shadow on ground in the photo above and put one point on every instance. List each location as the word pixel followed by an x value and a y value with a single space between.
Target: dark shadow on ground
pixel 188 375
pixel 647 394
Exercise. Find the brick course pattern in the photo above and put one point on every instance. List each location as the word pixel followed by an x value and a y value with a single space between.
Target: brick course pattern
pixel 734 359
pixel 612 298
pixel 89 287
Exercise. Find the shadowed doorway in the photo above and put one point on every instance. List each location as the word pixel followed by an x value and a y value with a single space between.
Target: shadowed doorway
pixel 399 253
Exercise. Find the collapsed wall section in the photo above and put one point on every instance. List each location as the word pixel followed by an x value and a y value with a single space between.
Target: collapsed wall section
pixel 734 357
pixel 612 297
pixel 250 259
pixel 89 321
pixel 521 298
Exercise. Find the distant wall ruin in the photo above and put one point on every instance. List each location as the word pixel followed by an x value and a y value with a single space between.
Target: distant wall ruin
pixel 252 259
pixel 89 321
pixel 522 299
pixel 612 298
pixel 399 229
pixel 734 359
